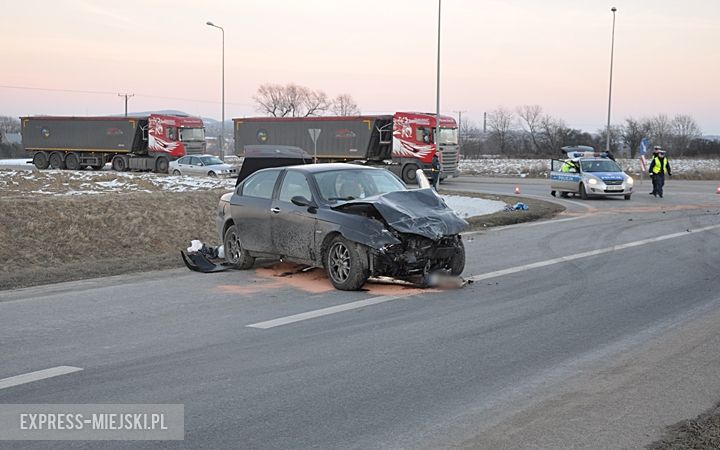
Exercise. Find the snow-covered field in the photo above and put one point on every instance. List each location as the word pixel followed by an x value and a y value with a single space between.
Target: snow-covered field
pixel 541 167
pixel 64 183
pixel 57 182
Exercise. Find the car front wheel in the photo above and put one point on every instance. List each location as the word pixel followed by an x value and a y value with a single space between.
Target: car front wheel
pixel 235 254
pixel 457 262
pixel 346 264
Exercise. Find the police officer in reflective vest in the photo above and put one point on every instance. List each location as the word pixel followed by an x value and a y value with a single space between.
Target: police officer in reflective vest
pixel 658 168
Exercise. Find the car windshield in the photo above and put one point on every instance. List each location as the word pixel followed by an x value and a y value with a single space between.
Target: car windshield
pixel 192 134
pixel 448 136
pixel 343 185
pixel 210 160
pixel 600 166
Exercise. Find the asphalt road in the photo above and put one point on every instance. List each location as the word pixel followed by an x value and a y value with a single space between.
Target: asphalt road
pixel 593 330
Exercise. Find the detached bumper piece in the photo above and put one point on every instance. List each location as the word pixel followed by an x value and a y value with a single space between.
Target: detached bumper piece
pixel 198 262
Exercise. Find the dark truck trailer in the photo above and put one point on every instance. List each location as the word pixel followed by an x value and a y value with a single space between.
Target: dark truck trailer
pixel 130 143
pixel 403 142
pixel 341 139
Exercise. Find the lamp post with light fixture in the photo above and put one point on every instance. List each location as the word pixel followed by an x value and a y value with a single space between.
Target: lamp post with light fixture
pixel 612 50
pixel 222 123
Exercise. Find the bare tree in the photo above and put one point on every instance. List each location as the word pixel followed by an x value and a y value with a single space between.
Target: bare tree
pixel 290 100
pixel 553 132
pixel 344 105
pixel 633 133
pixel 500 124
pixel 661 130
pixel 9 124
pixel 685 130
pixel 530 118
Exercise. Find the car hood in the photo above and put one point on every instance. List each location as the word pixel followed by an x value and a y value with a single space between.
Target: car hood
pixel 608 176
pixel 419 211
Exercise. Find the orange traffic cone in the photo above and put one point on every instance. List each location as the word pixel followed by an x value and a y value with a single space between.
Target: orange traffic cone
pixel 517 189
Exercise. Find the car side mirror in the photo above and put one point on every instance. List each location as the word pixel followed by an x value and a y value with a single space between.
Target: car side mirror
pixel 299 200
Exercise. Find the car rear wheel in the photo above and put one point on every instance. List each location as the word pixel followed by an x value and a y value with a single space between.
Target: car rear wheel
pixel 235 254
pixel 176 173
pixel 346 264
pixel 583 192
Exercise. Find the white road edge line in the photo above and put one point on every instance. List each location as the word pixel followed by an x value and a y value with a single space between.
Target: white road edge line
pixel 375 300
pixel 37 375
pixel 323 312
pixel 600 251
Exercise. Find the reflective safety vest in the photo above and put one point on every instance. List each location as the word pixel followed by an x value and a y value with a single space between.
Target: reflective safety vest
pixel 657 165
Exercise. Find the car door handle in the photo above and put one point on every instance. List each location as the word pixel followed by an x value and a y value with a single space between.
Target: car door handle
pixel 275 209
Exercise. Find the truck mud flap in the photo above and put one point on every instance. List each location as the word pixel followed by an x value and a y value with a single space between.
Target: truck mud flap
pixel 198 262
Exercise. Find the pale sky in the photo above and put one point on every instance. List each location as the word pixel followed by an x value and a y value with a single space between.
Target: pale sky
pixel 554 53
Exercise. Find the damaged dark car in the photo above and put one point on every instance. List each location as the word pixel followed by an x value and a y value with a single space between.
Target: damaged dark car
pixel 356 222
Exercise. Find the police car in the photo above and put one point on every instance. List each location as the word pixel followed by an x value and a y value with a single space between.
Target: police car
pixel 587 173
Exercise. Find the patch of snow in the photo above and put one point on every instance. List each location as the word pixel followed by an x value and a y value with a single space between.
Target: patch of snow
pixel 15 162
pixel 472 206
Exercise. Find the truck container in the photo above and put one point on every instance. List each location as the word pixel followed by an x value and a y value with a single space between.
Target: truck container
pixel 402 142
pixel 129 143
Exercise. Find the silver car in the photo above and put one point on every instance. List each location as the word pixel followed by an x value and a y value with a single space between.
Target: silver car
pixel 589 176
pixel 203 165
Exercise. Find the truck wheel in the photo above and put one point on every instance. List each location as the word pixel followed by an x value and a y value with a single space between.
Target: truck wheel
pixel 408 174
pixel 72 162
pixel 119 164
pixel 235 254
pixel 40 159
pixel 57 160
pixel 457 262
pixel 162 165
pixel 346 265
pixel 583 192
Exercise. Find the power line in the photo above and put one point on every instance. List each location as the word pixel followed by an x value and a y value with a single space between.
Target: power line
pixel 79 91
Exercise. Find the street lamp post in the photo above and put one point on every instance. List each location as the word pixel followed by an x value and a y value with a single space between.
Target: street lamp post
pixel 612 50
pixel 222 123
pixel 437 90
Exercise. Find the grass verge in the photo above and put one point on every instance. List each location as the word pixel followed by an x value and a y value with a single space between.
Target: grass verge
pixel 50 239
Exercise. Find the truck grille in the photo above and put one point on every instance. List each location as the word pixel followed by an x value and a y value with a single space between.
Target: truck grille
pixel 449 161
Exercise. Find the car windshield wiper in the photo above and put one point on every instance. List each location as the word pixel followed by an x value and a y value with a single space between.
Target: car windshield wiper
pixel 332 199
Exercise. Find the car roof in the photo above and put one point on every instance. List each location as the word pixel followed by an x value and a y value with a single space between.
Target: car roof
pixel 324 167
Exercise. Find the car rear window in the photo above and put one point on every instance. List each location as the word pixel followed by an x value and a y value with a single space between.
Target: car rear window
pixel 260 184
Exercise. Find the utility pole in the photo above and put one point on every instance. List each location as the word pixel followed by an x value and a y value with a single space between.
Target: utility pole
pixel 126 100
pixel 484 122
